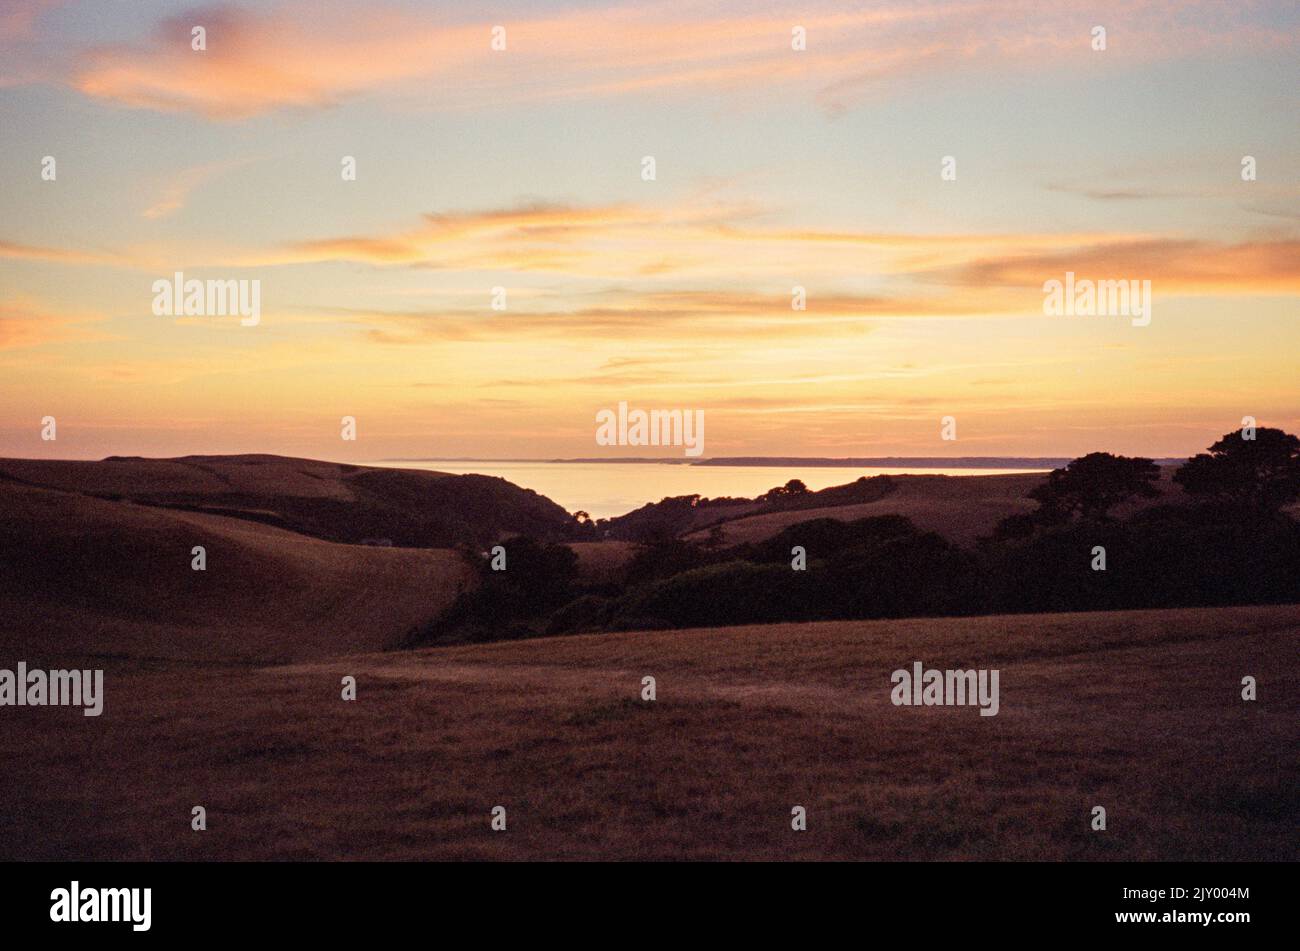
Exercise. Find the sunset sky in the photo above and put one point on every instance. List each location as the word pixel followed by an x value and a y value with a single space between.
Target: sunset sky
pixel 522 168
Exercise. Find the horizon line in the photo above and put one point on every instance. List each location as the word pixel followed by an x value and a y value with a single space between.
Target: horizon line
pixel 880 462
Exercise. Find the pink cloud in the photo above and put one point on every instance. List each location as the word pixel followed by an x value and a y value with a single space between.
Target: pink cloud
pixel 315 55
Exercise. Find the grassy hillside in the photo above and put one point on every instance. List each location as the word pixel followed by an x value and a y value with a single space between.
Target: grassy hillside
pixel 603 562
pixel 1137 711
pixel 86 576
pixel 327 500
pixel 960 508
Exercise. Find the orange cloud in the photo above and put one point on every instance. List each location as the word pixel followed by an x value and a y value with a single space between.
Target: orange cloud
pixel 616 241
pixel 624 263
pixel 32 252
pixel 24 325
pixel 313 55
pixel 254 62
pixel 1173 265
pixel 532 237
pixel 721 246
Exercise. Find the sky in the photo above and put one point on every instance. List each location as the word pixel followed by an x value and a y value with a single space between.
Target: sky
pixel 523 169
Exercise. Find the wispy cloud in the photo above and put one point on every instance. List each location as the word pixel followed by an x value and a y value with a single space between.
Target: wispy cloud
pixel 176 191
pixel 616 241
pixel 21 59
pixel 25 324
pixel 315 55
pixel 1118 193
pixel 32 252
pixel 1173 264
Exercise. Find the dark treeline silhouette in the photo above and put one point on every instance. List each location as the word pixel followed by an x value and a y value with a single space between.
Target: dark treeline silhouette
pixel 1228 542
pixel 659 522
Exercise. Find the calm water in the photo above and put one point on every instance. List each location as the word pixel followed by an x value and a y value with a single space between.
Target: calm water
pixel 606 489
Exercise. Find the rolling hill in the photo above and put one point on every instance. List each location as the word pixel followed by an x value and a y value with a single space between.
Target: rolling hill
pixel 1138 711
pixel 84 577
pixel 95 557
pixel 960 508
pixel 326 500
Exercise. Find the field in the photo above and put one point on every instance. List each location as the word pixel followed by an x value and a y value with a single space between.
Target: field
pixel 85 577
pixel 1139 712
pixel 223 691
pixel 960 508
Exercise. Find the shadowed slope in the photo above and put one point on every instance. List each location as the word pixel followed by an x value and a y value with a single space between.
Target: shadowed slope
pixel 328 500
pixel 86 576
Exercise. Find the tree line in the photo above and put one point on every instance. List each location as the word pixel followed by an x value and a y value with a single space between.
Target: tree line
pixel 1228 540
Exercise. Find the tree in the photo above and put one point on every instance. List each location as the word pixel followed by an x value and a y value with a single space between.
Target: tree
pixel 1261 473
pixel 792 488
pixel 1094 484
pixel 1013 527
pixel 538 578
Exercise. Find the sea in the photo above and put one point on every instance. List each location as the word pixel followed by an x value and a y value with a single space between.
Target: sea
pixel 604 489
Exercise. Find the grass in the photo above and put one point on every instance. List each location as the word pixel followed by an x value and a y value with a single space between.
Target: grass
pixel 1136 711
pixel 86 577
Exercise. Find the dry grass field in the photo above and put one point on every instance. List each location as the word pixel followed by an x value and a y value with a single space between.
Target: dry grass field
pixel 223 690
pixel 410 508
pixel 604 561
pixel 1137 711
pixel 960 508
pixel 212 477
pixel 84 577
